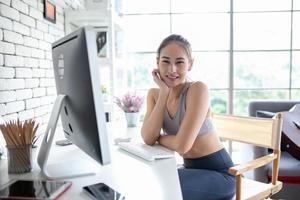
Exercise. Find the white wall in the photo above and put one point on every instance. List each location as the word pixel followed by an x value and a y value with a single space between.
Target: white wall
pixel 27 87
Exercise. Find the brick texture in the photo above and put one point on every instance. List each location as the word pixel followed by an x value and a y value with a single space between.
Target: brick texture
pixel 27 86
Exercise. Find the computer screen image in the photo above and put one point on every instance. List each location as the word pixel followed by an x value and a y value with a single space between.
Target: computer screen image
pixel 79 101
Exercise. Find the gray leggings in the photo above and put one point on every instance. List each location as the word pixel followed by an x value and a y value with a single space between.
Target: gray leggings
pixel 207 177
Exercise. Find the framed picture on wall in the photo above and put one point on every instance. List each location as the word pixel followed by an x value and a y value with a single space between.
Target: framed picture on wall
pixel 101 40
pixel 49 11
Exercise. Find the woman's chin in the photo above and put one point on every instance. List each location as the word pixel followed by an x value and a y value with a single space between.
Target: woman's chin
pixel 172 83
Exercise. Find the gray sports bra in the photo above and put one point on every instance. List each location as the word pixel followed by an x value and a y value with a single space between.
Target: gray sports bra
pixel 171 125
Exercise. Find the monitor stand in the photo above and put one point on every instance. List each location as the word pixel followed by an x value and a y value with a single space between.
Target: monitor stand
pixel 62 170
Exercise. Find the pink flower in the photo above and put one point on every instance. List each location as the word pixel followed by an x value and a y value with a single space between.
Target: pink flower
pixel 130 102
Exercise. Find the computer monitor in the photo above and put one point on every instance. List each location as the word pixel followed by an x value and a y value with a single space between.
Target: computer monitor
pixel 79 101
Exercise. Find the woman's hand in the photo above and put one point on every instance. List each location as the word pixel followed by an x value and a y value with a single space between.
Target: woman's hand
pixel 158 80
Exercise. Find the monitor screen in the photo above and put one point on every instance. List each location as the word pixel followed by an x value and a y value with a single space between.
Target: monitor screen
pixel 76 72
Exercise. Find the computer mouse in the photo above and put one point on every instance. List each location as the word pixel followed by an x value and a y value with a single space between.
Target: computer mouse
pixel 118 140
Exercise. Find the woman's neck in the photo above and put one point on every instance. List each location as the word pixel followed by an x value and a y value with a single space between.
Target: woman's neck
pixel 176 91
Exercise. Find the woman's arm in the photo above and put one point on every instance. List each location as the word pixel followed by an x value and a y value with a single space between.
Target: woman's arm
pixel 154 117
pixel 156 105
pixel 197 106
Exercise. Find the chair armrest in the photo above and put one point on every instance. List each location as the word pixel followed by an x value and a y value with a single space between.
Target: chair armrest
pixel 253 164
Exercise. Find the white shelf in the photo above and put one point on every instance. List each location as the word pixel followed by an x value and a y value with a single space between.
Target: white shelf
pixel 96 18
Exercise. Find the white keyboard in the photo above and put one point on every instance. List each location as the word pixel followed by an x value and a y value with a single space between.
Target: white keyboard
pixel 147 152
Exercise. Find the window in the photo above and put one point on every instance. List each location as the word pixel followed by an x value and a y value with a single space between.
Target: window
pixel 210 32
pixel 258 70
pixel 261 36
pixel 262 31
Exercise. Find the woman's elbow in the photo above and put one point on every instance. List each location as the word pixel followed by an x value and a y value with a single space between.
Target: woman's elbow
pixel 147 140
pixel 183 148
pixel 151 143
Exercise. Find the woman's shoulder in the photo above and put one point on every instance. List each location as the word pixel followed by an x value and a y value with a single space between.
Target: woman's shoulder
pixel 197 93
pixel 197 86
pixel 153 92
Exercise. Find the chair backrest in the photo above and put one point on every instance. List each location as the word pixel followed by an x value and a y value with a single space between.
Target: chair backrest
pixel 252 130
pixel 259 132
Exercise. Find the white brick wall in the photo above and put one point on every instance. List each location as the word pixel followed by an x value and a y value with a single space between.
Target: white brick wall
pixel 32 83
pixel 44 45
pixel 1 60
pixel 32 3
pixel 5 23
pixel 11 84
pixel 6 2
pixel 15 106
pixel 2 109
pixel 7 96
pixel 49 38
pixel 9 12
pixel 26 114
pixel 31 42
pixel 49 73
pixel 24 94
pixel 33 103
pixel 27 86
pixel 20 28
pixel 46 82
pixel 22 50
pixel 45 64
pixel 39 73
pixel 51 91
pixel 13 37
pixel 40 111
pixel 26 20
pixel 35 13
pixel 7 48
pixel 7 72
pixel 36 33
pixel 40 7
pixel 37 53
pixel 20 6
pixel 23 73
pixel 42 26
pixel 14 61
pixel 49 55
pixel 31 62
pixel 39 92
pixel 12 116
pixel 47 100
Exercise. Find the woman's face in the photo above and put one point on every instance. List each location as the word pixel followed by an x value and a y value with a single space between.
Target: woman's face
pixel 173 64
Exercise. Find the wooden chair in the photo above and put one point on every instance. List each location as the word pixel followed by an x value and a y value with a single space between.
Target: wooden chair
pixel 259 132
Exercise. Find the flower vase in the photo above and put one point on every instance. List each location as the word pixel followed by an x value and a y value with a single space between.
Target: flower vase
pixel 132 118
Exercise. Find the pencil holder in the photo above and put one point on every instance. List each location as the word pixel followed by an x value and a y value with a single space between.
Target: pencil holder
pixel 19 158
pixel 19 139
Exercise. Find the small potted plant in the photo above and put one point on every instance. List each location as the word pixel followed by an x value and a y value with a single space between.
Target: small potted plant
pixel 131 104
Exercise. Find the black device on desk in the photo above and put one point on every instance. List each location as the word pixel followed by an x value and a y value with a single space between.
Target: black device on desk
pixel 101 191
pixel 34 189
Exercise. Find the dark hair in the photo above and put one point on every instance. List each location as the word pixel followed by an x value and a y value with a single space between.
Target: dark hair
pixel 176 39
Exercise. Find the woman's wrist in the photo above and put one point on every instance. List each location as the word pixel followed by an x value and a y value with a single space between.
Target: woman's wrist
pixel 163 93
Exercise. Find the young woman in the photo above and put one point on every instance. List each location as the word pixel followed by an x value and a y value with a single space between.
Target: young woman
pixel 182 110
